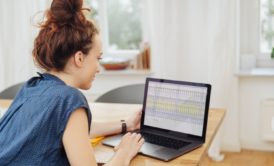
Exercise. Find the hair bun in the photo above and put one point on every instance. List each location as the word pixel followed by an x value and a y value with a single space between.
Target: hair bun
pixel 66 12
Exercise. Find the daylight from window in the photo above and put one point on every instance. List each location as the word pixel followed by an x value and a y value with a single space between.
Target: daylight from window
pixel 267 25
pixel 123 22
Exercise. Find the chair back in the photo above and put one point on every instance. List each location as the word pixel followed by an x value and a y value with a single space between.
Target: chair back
pixel 10 92
pixel 130 94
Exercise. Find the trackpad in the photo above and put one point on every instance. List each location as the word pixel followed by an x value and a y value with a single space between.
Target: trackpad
pixel 112 141
pixel 148 148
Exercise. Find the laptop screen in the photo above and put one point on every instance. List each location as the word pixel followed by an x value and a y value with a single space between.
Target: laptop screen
pixel 176 106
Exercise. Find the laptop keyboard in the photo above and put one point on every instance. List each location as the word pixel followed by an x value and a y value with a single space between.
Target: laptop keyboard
pixel 164 141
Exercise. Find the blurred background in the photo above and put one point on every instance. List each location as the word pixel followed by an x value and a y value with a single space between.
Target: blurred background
pixel 227 43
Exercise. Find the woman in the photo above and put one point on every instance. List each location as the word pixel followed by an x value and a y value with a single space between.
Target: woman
pixel 48 121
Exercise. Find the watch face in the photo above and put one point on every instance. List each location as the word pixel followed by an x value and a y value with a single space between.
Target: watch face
pixel 124 127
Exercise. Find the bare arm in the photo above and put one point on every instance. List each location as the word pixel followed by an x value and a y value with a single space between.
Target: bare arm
pixel 79 150
pixel 103 128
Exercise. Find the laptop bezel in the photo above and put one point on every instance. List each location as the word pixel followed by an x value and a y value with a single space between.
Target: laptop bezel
pixel 170 132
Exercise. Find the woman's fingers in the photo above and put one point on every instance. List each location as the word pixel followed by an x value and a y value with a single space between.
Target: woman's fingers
pixel 137 137
pixel 130 145
pixel 140 143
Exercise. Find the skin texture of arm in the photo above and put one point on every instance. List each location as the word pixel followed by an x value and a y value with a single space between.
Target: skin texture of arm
pixel 103 128
pixel 79 150
pixel 76 140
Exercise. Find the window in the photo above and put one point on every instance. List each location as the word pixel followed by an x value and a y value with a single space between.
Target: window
pixel 256 35
pixel 267 26
pixel 120 25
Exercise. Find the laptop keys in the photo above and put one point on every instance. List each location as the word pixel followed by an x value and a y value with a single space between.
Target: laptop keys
pixel 164 141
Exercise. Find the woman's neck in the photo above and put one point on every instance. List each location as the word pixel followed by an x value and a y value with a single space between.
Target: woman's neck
pixel 66 77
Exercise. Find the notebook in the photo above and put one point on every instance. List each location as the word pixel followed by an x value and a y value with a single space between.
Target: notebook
pixel 174 118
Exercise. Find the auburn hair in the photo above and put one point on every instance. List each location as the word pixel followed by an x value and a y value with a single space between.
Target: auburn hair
pixel 63 32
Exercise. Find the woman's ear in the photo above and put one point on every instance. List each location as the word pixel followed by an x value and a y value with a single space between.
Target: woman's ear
pixel 79 58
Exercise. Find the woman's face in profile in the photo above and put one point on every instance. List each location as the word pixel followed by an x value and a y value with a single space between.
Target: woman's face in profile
pixel 91 63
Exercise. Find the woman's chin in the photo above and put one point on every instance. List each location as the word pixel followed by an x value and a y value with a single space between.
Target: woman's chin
pixel 86 87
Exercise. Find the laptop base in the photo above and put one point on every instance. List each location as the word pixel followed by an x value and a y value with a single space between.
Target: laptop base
pixel 153 150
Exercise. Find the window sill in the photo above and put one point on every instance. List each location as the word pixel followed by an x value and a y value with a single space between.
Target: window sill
pixel 126 72
pixel 256 72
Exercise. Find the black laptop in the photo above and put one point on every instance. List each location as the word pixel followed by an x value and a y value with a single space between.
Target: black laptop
pixel 174 118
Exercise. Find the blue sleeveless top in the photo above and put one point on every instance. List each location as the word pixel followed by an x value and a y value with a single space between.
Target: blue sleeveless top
pixel 31 130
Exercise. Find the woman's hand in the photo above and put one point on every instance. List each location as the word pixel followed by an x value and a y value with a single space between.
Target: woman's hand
pixel 133 122
pixel 129 146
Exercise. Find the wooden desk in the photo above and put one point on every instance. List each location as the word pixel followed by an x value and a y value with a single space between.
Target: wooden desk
pixel 102 111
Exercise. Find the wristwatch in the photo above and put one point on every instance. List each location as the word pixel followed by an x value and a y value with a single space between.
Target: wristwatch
pixel 124 127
